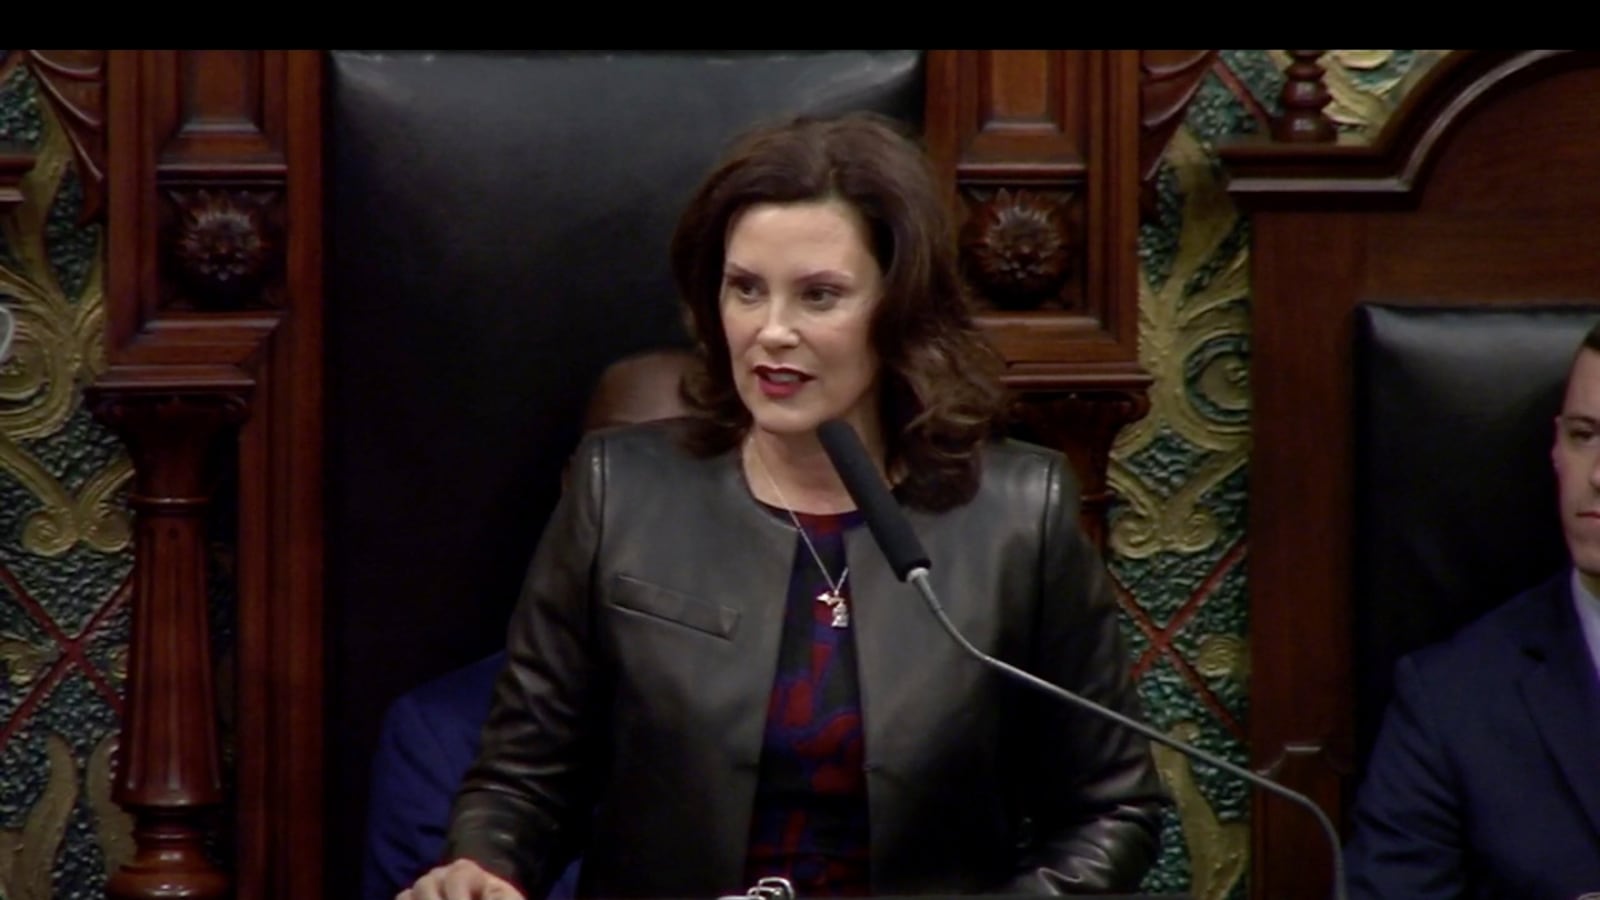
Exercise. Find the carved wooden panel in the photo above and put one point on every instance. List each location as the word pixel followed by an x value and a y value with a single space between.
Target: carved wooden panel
pixel 214 311
pixel 1041 149
pixel 224 247
pixel 221 174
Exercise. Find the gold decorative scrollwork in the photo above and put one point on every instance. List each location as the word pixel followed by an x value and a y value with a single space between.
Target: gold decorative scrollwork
pixel 117 667
pixel 90 517
pixel 57 350
pixel 1223 656
pixel 1174 325
pixel 1193 342
pixel 28 854
pixel 113 825
pixel 25 661
pixel 102 524
pixel 39 377
pixel 1218 850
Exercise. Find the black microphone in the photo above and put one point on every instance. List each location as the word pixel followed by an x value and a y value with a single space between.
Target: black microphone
pixel 910 563
pixel 860 476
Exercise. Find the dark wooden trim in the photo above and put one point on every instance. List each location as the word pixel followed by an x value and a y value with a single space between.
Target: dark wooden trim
pixel 235 135
pixel 1298 530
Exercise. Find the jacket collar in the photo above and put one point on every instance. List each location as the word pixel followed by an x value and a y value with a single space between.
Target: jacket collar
pixel 1561 691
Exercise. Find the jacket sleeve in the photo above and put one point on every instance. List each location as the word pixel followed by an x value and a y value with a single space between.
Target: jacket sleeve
pixel 1407 838
pixel 522 803
pixel 414 779
pixel 1096 819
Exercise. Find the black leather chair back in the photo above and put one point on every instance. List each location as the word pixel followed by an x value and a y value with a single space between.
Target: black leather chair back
pixel 498 227
pixel 1455 506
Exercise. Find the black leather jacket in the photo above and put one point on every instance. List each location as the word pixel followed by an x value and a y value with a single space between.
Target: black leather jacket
pixel 628 723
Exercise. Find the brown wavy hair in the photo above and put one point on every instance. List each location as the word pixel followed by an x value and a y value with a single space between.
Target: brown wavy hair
pixel 941 396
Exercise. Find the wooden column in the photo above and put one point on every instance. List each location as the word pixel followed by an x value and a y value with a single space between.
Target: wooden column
pixel 214 281
pixel 168 774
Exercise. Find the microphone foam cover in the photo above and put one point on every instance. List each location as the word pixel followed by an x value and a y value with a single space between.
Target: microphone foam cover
pixel 888 522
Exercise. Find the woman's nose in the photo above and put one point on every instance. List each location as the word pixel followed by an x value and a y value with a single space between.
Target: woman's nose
pixel 776 327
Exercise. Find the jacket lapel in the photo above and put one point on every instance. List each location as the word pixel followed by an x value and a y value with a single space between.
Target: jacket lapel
pixel 1562 694
pixel 883 623
pixel 758 545
pixel 897 637
pixel 904 660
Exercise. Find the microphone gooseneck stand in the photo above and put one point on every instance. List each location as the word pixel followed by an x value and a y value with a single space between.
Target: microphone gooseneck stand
pixel 919 578
pixel 892 532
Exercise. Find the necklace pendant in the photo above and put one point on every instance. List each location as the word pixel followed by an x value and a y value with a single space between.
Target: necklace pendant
pixel 836 603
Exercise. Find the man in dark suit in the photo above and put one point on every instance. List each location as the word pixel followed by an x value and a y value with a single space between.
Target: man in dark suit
pixel 430 736
pixel 1485 779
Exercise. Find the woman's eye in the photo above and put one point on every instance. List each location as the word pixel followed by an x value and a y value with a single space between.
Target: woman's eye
pixel 742 290
pixel 821 295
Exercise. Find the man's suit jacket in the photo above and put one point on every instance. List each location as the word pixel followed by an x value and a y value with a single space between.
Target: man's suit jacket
pixel 430 737
pixel 628 723
pixel 1485 779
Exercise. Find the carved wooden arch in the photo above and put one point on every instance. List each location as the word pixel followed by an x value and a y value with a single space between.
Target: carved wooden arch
pixel 212 163
pixel 1466 196
pixel 1396 162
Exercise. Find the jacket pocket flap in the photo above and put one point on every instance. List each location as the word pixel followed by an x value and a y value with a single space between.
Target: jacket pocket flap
pixel 663 603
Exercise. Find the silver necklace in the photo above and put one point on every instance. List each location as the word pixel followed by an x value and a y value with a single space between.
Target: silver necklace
pixel 833 596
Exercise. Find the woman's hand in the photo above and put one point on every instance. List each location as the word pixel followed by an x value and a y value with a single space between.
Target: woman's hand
pixel 462 879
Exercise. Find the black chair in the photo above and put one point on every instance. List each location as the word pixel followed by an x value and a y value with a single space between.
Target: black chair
pixel 498 227
pixel 1455 507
